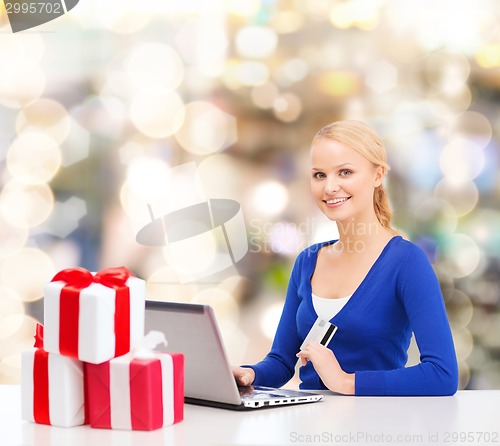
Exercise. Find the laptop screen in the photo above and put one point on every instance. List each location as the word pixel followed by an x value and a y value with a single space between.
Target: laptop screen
pixel 191 329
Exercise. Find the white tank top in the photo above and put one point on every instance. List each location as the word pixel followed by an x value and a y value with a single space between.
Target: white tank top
pixel 327 308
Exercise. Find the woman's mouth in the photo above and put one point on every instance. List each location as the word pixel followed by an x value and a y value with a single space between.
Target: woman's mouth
pixel 334 202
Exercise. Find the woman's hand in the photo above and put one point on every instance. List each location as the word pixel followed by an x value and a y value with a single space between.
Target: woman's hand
pixel 328 368
pixel 244 376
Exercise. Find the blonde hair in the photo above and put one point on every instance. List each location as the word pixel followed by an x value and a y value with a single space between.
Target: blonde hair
pixel 362 138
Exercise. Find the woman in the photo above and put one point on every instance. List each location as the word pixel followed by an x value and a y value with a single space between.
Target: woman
pixel 376 287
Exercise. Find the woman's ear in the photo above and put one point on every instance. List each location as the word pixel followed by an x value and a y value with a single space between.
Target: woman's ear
pixel 379 175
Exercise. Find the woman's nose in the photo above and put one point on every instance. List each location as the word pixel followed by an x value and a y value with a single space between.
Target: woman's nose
pixel 332 187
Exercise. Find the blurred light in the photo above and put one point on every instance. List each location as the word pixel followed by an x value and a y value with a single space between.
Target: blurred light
pixel 252 73
pixel 458 101
pixel 464 374
pixel 129 18
pixel 464 342
pixel 243 8
pixel 316 9
pixel 256 42
pixel 431 24
pixel 482 226
pixel 154 65
pixel 157 113
pixel 447 72
pixel 472 126
pixel 487 377
pixel 30 262
pixel 294 70
pixel 66 216
pixel 486 292
pixel 461 161
pixel 270 319
pixel 193 256
pixel 206 129
pixel 222 301
pixel 77 146
pixel 285 238
pixel 12 237
pixel 360 13
pixel 19 89
pixel 26 205
pixel 19 340
pixel 230 76
pixel 116 84
pixel 441 110
pixel 287 107
pixel 103 115
pixel 135 207
pixel 263 96
pixel 21 80
pixel 381 76
pixel 68 252
pixel 460 254
pixel 178 188
pixel 20 52
pixel 479 356
pixel 47 115
pixel 130 151
pixel 9 303
pixel 407 133
pixel 339 83
pixel 410 139
pixel 219 170
pixel 163 284
pixel 148 178
pixel 270 197
pixel 490 337
pixel 203 43
pixel 187 7
pixel 488 56
pixel 355 108
pixel 463 196
pixel 435 218
pixel 287 22
pixel 33 158
pixel 10 325
pixel 459 307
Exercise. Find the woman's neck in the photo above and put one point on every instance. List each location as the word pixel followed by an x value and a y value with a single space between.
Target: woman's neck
pixel 354 234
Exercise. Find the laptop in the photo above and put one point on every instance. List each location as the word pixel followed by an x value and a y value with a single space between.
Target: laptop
pixel 192 329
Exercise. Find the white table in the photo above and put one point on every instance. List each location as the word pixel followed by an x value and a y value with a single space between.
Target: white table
pixel 468 418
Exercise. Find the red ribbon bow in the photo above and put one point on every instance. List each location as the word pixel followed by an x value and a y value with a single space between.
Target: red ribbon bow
pixel 78 279
pixel 38 336
pixel 81 278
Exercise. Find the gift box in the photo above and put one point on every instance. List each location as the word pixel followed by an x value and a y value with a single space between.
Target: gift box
pixel 52 387
pixel 93 317
pixel 137 391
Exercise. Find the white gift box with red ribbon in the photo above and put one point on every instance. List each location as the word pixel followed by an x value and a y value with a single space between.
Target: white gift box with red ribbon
pixel 93 317
pixel 143 390
pixel 52 387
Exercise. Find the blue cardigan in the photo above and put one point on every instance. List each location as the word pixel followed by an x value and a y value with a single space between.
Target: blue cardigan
pixel 399 295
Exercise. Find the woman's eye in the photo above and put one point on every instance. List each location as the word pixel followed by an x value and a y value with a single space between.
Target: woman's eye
pixel 345 172
pixel 319 175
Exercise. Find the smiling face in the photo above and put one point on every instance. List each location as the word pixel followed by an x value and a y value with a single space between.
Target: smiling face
pixel 343 181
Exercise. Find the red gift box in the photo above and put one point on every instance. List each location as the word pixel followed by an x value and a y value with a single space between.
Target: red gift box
pixel 94 317
pixel 137 393
pixel 52 387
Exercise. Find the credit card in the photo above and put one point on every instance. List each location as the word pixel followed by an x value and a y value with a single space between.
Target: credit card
pixel 322 331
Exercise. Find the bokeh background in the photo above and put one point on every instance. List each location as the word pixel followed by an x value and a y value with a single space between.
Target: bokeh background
pixel 98 106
